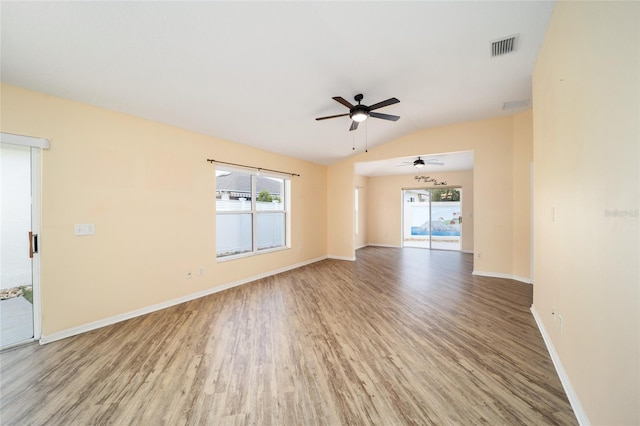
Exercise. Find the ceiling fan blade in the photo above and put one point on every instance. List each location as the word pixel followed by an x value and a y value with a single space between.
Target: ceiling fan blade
pixel 388 102
pixel 354 125
pixel 343 101
pixel 384 116
pixel 434 162
pixel 331 116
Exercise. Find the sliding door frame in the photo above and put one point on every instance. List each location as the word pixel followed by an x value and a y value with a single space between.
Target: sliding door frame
pixel 36 145
pixel 429 190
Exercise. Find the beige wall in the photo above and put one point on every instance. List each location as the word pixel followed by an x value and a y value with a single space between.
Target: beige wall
pixel 151 194
pixel 362 238
pixel 522 159
pixel 493 142
pixel 340 184
pixel 385 206
pixel 586 202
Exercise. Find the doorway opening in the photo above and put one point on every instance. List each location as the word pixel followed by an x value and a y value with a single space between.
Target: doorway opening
pixel 432 218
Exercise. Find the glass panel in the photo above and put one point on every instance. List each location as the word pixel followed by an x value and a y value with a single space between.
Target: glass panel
pixel 419 219
pixel 446 219
pixel 417 223
pixel 233 191
pixel 271 232
pixel 448 194
pixel 16 279
pixel 270 193
pixel 446 224
pixel 233 234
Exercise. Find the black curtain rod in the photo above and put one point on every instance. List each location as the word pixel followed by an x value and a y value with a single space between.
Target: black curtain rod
pixel 251 167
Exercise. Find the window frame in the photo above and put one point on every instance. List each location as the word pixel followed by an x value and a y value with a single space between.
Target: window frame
pixel 255 212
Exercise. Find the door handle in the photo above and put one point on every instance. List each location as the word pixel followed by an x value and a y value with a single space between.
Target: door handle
pixel 33 244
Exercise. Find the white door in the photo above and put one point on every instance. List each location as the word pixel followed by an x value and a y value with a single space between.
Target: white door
pixel 19 235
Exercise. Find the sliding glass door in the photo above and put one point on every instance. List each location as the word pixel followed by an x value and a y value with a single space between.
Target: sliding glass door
pixel 432 218
pixel 19 229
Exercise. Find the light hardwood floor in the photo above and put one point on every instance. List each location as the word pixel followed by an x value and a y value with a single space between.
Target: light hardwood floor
pixel 401 336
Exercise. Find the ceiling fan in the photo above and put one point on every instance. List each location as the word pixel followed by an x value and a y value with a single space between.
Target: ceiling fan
pixel 359 113
pixel 419 163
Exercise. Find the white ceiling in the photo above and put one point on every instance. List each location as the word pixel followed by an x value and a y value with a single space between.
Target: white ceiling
pixel 258 73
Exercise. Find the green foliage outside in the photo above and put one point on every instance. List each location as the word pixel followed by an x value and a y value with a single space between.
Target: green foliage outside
pixel 445 195
pixel 266 197
pixel 27 293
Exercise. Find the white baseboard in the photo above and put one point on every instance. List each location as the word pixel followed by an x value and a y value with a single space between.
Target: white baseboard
pixel 501 275
pixel 147 310
pixel 351 258
pixel 579 412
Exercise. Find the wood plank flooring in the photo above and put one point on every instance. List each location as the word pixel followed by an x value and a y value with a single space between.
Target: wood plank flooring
pixel 399 337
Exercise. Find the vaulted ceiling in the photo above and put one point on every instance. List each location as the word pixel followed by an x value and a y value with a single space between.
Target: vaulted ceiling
pixel 259 73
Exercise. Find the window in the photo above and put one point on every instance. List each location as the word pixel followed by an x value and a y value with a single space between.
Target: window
pixel 251 212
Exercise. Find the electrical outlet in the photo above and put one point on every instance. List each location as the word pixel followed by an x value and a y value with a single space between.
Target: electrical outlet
pixel 201 271
pixel 479 255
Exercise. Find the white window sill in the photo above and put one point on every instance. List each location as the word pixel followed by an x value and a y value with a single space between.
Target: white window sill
pixel 250 254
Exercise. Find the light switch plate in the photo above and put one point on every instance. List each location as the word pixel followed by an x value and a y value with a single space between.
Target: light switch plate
pixel 84 229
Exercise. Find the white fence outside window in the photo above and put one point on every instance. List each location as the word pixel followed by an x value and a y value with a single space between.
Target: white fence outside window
pixel 234 230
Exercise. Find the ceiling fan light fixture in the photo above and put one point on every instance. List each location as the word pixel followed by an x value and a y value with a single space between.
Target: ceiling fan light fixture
pixel 419 163
pixel 359 116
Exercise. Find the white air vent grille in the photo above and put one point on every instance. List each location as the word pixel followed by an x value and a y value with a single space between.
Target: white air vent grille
pixel 504 46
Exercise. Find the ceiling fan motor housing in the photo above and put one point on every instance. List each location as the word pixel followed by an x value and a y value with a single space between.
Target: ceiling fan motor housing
pixel 359 112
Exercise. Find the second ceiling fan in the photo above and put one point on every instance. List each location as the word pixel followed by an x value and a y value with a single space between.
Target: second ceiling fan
pixel 359 113
pixel 420 163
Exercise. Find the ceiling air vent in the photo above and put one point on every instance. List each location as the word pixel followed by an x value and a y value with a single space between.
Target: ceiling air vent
pixel 504 45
